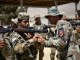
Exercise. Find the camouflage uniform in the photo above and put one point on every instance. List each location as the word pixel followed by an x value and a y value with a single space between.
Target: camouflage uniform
pixel 52 33
pixel 17 52
pixel 52 13
pixel 52 55
pixel 28 53
pixel 7 51
pixel 64 29
pixel 74 50
pixel 40 47
pixel 19 45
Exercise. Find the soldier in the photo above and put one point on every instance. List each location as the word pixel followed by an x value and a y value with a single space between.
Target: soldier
pixel 24 52
pixel 38 25
pixel 63 38
pixel 22 45
pixel 76 47
pixel 53 21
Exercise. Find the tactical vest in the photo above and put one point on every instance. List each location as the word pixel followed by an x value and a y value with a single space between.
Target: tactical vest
pixel 30 53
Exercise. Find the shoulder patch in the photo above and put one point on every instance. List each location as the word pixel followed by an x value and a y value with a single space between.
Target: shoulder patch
pixel 61 32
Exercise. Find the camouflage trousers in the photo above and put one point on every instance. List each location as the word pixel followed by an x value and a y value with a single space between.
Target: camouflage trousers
pixel 61 55
pixel 56 55
pixel 27 55
pixel 52 55
pixel 41 52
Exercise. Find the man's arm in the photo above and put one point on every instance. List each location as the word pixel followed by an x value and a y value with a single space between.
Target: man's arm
pixel 2 43
pixel 19 44
pixel 52 42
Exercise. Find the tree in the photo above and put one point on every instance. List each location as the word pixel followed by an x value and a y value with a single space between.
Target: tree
pixel 7 12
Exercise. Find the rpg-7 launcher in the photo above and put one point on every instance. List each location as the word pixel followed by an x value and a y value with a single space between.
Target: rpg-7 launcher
pixel 23 30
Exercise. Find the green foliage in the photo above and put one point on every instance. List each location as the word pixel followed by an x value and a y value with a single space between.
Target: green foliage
pixel 7 12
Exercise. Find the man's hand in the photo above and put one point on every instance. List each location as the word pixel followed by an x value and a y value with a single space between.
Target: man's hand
pixel 2 43
pixel 35 37
pixel 78 30
pixel 30 35
pixel 38 38
pixel 41 39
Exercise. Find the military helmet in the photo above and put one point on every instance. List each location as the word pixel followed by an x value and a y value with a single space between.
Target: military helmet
pixel 23 16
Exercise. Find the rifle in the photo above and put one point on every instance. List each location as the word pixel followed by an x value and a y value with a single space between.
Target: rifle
pixel 74 23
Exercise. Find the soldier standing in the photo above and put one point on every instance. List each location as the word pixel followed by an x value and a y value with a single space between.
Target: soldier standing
pixel 53 21
pixel 23 46
pixel 25 53
pixel 39 26
pixel 63 37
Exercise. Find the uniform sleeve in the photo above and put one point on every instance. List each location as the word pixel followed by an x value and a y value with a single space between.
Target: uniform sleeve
pixel 60 40
pixel 19 44
pixel 55 42
pixel 7 50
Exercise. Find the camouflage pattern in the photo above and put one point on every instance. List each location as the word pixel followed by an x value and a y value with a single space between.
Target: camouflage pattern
pixel 27 53
pixel 63 29
pixel 52 55
pixel 7 51
pixel 40 47
pixel 53 12
pixel 16 50
pixel 74 50
pixel 52 33
pixel 46 36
